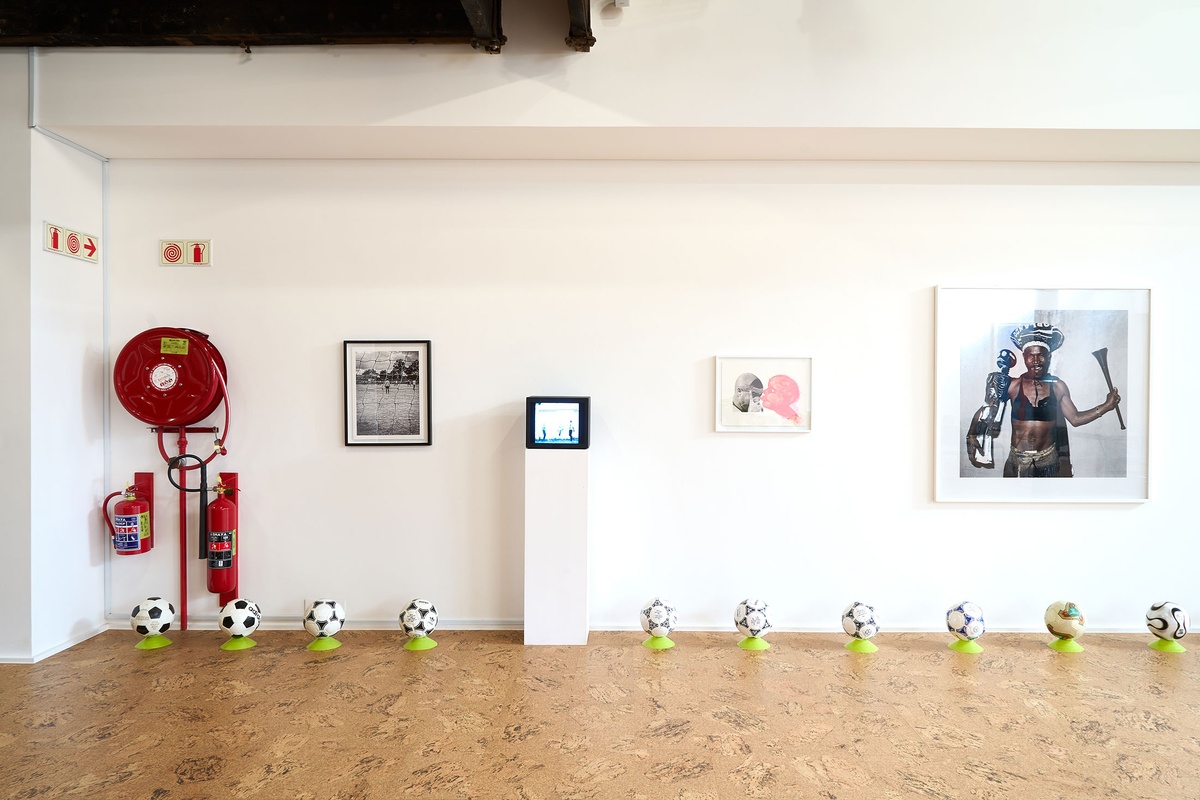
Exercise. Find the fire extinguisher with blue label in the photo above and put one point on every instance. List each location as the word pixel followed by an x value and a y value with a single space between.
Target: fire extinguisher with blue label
pixel 130 526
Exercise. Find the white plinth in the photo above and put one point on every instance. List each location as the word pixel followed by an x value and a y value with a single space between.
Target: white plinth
pixel 556 549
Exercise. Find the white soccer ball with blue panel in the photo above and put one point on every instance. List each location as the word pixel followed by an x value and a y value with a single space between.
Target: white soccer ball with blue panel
pixel 965 621
pixel 858 620
pixel 750 618
pixel 324 618
pixel 419 618
pixel 658 617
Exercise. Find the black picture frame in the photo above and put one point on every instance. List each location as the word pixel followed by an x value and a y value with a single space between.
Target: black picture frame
pixel 548 420
pixel 387 392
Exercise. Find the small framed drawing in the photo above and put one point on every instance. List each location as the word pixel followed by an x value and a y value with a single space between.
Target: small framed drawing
pixel 764 395
pixel 1042 383
pixel 387 392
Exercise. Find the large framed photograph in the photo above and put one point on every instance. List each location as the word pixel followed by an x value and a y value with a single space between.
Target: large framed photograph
pixel 1042 383
pixel 764 395
pixel 387 392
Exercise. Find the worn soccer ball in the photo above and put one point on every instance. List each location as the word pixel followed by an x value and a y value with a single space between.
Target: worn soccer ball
pixel 965 621
pixel 658 617
pixel 751 619
pixel 240 618
pixel 152 616
pixel 324 618
pixel 1167 620
pixel 858 620
pixel 1065 619
pixel 419 618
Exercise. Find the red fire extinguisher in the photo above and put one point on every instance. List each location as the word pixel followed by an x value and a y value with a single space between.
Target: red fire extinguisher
pixel 222 520
pixel 130 524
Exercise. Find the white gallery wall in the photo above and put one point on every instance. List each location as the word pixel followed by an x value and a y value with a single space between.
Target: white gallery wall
pixel 15 431
pixel 67 402
pixel 53 430
pixel 707 181
pixel 622 281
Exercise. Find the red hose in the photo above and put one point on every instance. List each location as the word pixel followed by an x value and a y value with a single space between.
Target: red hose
pixel 112 532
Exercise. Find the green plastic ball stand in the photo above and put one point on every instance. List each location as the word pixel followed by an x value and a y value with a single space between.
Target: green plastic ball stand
pixel 153 642
pixel 861 646
pixel 240 643
pixel 420 643
pixel 754 643
pixel 1167 646
pixel 324 643
pixel 1065 646
pixel 966 646
pixel 658 643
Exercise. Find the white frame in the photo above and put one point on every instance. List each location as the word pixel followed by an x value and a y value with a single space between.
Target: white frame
pixel 971 330
pixel 729 420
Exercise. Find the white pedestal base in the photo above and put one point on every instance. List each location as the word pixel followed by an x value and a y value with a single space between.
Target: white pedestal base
pixel 556 558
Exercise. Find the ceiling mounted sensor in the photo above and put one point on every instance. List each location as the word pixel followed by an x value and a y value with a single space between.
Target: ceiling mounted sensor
pixel 141 23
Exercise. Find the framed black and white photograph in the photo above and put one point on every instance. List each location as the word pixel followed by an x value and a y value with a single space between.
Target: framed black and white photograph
pixel 1042 383
pixel 387 392
pixel 764 394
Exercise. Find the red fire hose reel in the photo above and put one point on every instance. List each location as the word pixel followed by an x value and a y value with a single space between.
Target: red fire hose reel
pixel 169 376
pixel 173 378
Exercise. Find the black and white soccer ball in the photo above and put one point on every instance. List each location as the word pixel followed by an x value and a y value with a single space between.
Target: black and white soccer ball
pixel 240 618
pixel 152 616
pixel 1168 620
pixel 419 618
pixel 965 621
pixel 324 618
pixel 858 620
pixel 658 617
pixel 751 619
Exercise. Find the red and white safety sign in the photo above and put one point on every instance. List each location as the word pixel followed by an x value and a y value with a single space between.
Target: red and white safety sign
pixel 185 252
pixel 62 240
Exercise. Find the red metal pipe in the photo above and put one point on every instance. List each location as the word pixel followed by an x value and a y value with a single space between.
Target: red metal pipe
pixel 183 536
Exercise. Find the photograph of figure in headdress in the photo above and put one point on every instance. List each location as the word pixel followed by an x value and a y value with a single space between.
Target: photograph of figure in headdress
pixel 1040 391
pixel 1039 403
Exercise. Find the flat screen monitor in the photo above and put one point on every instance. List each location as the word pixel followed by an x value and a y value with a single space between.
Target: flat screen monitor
pixel 557 423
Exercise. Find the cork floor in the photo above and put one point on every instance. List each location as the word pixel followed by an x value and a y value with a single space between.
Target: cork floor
pixel 482 716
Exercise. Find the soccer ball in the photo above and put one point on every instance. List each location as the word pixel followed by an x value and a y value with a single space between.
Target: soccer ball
pixel 419 618
pixel 1167 620
pixel 1065 619
pixel 965 621
pixel 858 620
pixel 240 618
pixel 324 618
pixel 152 616
pixel 658 617
pixel 750 617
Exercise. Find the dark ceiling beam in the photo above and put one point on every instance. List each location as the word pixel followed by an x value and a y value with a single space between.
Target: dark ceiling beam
pixel 580 36
pixel 148 23
pixel 484 18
